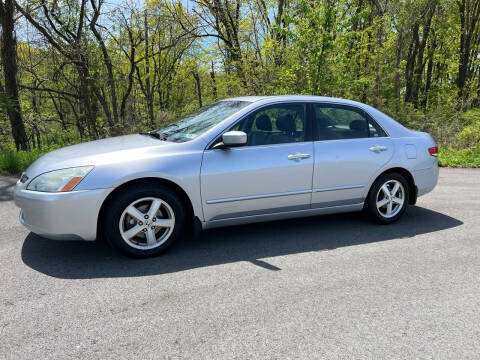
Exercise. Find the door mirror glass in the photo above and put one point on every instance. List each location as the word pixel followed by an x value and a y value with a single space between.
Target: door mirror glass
pixel 234 138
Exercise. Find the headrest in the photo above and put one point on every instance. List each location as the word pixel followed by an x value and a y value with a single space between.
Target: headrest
pixel 358 125
pixel 323 120
pixel 264 123
pixel 286 123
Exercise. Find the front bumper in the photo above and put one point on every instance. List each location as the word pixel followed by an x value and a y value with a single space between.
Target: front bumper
pixel 61 216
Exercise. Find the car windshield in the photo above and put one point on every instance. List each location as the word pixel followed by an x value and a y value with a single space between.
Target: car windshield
pixel 202 120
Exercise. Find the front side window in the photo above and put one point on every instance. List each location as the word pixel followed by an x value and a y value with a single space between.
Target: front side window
pixel 202 120
pixel 344 122
pixel 274 124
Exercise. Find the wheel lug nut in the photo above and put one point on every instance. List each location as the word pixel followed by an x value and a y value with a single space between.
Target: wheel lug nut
pixel 146 217
pixel 154 219
pixel 144 230
pixel 140 223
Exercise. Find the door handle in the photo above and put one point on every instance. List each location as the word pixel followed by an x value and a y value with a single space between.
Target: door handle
pixel 298 156
pixel 378 148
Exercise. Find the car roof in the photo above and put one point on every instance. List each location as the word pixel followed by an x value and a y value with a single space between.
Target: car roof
pixel 246 98
pixel 294 98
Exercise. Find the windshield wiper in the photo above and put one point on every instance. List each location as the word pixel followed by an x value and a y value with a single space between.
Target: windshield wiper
pixel 162 136
pixel 154 135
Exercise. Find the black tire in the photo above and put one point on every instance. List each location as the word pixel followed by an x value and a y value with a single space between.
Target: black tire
pixel 115 210
pixel 370 206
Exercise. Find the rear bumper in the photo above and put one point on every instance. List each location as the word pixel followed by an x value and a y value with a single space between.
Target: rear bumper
pixel 61 216
pixel 426 179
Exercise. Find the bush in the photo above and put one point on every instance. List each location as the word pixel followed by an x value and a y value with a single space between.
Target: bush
pixel 459 157
pixel 12 162
pixel 470 135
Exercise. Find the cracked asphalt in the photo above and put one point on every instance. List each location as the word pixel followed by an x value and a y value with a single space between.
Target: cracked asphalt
pixel 328 287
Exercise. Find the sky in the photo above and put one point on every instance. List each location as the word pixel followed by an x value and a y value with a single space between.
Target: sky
pixel 25 32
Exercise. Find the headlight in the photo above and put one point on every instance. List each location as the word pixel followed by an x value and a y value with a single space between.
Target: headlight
pixel 59 180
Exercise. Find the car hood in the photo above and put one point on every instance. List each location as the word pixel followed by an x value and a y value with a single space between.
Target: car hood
pixel 98 152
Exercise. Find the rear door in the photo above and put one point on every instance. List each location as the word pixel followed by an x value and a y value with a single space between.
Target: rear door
pixel 350 148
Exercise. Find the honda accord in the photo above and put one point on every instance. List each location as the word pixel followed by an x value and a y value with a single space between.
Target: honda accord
pixel 236 161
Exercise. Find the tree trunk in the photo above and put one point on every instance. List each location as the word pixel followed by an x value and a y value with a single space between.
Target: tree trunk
pixel 398 59
pixel 410 65
pixel 376 90
pixel 36 130
pixel 469 12
pixel 428 77
pixel 10 69
pixel 214 82
pixel 58 109
pixel 199 88
pixel 126 94
pixel 420 63
pixel 113 122
pixel 88 110
pixel 148 87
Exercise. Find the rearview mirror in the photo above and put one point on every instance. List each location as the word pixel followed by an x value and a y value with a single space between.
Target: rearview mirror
pixel 234 138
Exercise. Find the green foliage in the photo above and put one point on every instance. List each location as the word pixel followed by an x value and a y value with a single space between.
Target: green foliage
pixel 12 162
pixel 5 103
pixel 402 57
pixel 459 158
pixel 469 136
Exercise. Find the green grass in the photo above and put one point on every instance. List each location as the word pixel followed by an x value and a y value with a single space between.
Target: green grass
pixel 459 158
pixel 12 162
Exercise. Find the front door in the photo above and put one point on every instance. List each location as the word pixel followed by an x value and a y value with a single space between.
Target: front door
pixel 272 173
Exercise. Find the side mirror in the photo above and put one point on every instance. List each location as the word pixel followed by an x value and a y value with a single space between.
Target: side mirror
pixel 234 138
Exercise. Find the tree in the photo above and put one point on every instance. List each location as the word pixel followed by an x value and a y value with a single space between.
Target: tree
pixel 63 27
pixel 93 68
pixel 469 12
pixel 10 69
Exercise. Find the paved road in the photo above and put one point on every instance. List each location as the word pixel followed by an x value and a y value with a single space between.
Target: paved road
pixel 325 287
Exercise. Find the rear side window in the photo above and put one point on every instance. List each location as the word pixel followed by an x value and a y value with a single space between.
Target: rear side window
pixel 336 122
pixel 274 124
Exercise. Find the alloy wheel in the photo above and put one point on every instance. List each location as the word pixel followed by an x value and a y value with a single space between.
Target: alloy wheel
pixel 390 198
pixel 147 223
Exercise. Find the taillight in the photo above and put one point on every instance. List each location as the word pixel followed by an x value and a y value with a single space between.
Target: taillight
pixel 433 151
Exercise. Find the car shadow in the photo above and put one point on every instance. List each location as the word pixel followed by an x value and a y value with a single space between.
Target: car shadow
pixel 7 183
pixel 85 260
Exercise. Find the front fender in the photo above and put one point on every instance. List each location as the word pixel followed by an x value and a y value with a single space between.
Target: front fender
pixel 183 169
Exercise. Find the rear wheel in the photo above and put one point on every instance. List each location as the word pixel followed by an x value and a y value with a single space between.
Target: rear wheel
pixel 387 199
pixel 143 222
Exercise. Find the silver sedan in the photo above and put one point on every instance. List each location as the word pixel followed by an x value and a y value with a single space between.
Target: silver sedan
pixel 236 161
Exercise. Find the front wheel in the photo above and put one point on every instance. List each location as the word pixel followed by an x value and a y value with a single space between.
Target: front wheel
pixel 143 222
pixel 387 199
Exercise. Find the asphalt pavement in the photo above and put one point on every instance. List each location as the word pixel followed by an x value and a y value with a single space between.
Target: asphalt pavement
pixel 328 287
